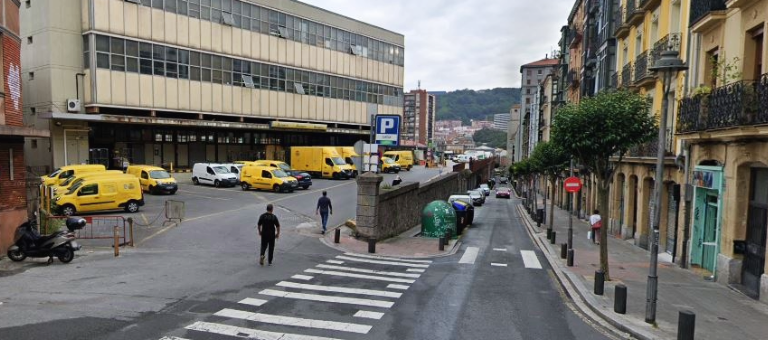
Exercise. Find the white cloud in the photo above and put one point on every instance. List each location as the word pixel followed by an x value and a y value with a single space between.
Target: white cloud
pixel 457 44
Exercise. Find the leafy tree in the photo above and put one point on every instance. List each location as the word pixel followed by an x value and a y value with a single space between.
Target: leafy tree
pixel 597 129
pixel 494 138
pixel 466 105
pixel 550 159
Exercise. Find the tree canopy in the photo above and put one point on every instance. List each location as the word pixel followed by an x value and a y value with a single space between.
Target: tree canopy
pixel 466 105
pixel 492 137
pixel 549 158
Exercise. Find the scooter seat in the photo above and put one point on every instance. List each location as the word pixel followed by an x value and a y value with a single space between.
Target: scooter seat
pixel 45 238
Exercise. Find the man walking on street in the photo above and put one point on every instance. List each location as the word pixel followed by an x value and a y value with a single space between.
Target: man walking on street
pixel 269 230
pixel 324 208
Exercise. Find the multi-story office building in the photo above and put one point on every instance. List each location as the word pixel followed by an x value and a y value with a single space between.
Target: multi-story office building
pixel 501 121
pixel 532 76
pixel 419 114
pixel 167 81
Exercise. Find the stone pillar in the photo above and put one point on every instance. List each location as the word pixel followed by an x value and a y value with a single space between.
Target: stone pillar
pixel 367 201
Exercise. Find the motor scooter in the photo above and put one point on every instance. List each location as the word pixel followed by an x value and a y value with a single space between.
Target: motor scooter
pixel 62 244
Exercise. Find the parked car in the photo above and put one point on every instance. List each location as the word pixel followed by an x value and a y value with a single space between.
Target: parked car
pixel 503 180
pixel 460 197
pixel 261 177
pixel 486 189
pixel 477 197
pixel 235 169
pixel 503 193
pixel 153 179
pixel 102 194
pixel 386 164
pixel 213 174
pixel 304 178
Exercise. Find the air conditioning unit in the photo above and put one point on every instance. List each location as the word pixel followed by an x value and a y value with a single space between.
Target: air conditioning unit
pixel 73 105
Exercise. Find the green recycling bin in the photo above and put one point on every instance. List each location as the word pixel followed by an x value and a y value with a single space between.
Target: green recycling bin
pixel 438 218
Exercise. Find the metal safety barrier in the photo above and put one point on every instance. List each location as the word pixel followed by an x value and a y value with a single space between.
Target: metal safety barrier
pixel 96 228
pixel 174 211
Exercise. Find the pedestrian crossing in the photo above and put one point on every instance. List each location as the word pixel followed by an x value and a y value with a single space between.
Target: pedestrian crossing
pixel 529 258
pixel 363 289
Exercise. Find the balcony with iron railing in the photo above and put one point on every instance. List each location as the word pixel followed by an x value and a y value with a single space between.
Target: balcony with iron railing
pixel 621 29
pixel 614 82
pixel 572 78
pixel 706 13
pixel 643 75
pixel 649 5
pixel 739 104
pixel 575 37
pixel 635 14
pixel 626 75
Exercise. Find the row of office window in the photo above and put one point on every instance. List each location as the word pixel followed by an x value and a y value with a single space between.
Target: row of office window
pixel 255 18
pixel 152 59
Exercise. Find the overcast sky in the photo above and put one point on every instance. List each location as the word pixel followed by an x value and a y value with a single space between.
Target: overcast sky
pixel 458 44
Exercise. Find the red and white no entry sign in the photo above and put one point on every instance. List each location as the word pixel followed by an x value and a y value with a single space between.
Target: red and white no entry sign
pixel 572 184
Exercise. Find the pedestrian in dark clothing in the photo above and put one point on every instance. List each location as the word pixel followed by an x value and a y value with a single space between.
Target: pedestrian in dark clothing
pixel 324 208
pixel 269 230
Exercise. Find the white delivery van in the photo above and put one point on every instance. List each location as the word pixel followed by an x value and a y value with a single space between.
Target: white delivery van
pixel 214 174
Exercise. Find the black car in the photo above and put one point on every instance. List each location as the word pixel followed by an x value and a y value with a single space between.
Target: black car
pixel 305 179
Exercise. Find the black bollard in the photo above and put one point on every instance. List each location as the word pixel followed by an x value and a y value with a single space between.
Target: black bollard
pixel 552 240
pixel 569 260
pixel 599 282
pixel 441 247
pixel 538 224
pixel 372 245
pixel 448 236
pixel 563 250
pixel 336 235
pixel 549 234
pixel 686 325
pixel 620 299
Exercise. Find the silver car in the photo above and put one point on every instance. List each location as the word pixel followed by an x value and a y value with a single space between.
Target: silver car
pixel 478 198
pixel 486 189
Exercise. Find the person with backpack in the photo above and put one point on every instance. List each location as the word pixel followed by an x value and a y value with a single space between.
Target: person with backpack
pixel 269 230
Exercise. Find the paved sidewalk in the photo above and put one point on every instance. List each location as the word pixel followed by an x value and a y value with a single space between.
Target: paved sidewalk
pixel 406 245
pixel 721 312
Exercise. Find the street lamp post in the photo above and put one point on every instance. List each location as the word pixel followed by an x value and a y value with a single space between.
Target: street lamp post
pixel 667 67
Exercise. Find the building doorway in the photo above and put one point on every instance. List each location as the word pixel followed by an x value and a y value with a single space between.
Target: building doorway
pixel 673 207
pixel 757 222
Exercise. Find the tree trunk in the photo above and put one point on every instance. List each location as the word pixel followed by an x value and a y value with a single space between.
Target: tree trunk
pixel 552 202
pixel 602 203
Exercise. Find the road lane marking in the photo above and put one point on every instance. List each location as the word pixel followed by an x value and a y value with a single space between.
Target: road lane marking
pixel 302 277
pixel 391 263
pixel 327 298
pixel 394 286
pixel 386 258
pixel 144 218
pixel 470 255
pixel 414 270
pixel 368 315
pixel 337 289
pixel 500 249
pixel 530 260
pixel 498 264
pixel 369 271
pixel 359 276
pixel 240 332
pixel 172 338
pixel 253 302
pixel 293 321
pixel 335 262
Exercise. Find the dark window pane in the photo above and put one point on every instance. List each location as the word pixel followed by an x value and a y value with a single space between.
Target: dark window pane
pixel 102 60
pixel 205 60
pixel 226 5
pixel 216 76
pixel 170 6
pixel 159 68
pixel 157 4
pixel 226 78
pixel 158 52
pixel 132 48
pixel 117 45
pixel 145 50
pixel 118 62
pixel 182 7
pixel 102 43
pixel 132 64
pixel 171 54
pixel 146 66
pixel 206 74
pixel 183 57
pixel 216 16
pixel 215 62
pixel 205 13
pixel 216 4
pixel 236 7
pixel 226 64
pixel 194 58
pixel 194 73
pixel 86 60
pixel 171 70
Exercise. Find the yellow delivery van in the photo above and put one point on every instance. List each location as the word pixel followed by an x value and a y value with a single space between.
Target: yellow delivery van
pixel 153 179
pixel 59 175
pixel 403 158
pixel 349 155
pixel 102 194
pixel 72 180
pixel 262 177
pixel 320 161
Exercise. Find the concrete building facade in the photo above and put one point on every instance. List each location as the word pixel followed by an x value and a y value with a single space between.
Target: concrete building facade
pixel 201 80
pixel 419 117
pixel 501 121
pixel 532 76
pixel 512 129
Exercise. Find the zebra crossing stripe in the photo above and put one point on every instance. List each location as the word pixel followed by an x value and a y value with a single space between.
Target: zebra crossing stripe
pixel 302 277
pixel 498 264
pixel 359 276
pixel 530 260
pixel 394 286
pixel 500 249
pixel 253 302
pixel 386 258
pixel 241 332
pixel 369 271
pixel 336 289
pixel 414 270
pixel 391 263
pixel 326 298
pixel 293 321
pixel 172 338
pixel 335 262
pixel 368 315
pixel 470 255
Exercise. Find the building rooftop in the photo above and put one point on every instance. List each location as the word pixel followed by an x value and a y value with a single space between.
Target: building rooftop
pixel 541 63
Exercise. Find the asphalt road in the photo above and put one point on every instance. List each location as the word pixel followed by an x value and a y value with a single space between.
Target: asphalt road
pixel 201 280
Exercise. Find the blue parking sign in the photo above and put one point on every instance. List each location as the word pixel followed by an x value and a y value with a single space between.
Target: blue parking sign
pixel 387 130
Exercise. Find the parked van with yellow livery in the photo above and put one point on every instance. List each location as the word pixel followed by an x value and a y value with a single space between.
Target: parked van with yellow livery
pixel 153 179
pixel 275 164
pixel 59 175
pixel 101 194
pixel 348 154
pixel 320 161
pixel 58 190
pixel 388 165
pixel 262 177
pixel 402 158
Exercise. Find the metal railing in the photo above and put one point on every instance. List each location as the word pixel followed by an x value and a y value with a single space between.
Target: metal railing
pixel 649 149
pixel 641 66
pixel 631 7
pixel 96 228
pixel 700 8
pixel 614 82
pixel 618 19
pixel 626 75
pixel 737 104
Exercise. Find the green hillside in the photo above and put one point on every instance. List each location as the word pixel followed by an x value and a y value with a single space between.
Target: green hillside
pixel 477 105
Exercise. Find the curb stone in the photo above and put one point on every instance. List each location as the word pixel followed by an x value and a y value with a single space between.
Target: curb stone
pixel 586 304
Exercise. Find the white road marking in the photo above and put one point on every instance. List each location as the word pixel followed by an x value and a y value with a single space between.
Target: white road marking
pixel 293 321
pixel 302 277
pixel 336 289
pixel 470 255
pixel 394 286
pixel 253 302
pixel 387 258
pixel 391 263
pixel 241 332
pixel 189 193
pixel 359 276
pixel 326 298
pixel 172 338
pixel 368 271
pixel 498 264
pixel 368 315
pixel 530 260
pixel 335 262
pixel 414 270
pixel 500 249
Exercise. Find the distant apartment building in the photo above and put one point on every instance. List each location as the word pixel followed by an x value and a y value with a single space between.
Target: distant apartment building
pixel 419 117
pixel 501 121
pixel 532 75
pixel 481 124
pixel 448 124
pixel 512 127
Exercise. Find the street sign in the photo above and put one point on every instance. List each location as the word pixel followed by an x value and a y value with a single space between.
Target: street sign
pixel 387 130
pixel 572 184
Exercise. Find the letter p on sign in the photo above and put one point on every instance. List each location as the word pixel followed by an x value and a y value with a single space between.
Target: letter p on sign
pixel 386 125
